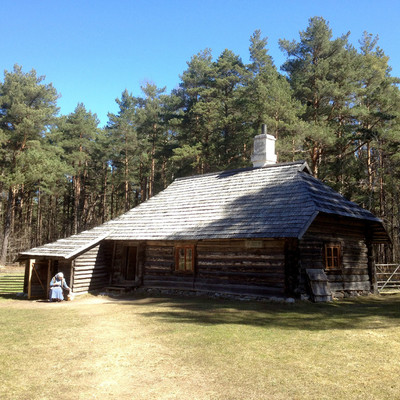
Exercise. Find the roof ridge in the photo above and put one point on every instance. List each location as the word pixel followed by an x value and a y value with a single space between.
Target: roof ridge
pixel 238 170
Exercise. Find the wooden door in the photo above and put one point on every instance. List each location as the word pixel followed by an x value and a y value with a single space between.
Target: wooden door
pixel 130 263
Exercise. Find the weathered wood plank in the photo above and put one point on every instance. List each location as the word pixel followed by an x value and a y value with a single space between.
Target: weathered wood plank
pixel 348 278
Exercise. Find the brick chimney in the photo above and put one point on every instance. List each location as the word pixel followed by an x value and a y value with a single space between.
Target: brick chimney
pixel 264 149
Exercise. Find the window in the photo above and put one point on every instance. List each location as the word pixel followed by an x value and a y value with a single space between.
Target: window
pixel 332 256
pixel 184 258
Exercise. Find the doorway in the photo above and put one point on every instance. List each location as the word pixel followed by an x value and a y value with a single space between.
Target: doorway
pixel 129 270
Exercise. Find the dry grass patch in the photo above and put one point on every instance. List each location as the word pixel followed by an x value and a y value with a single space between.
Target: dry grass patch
pixel 181 348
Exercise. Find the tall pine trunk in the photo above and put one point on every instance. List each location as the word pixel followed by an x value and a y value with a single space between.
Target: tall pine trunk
pixel 104 215
pixel 77 193
pixel 8 223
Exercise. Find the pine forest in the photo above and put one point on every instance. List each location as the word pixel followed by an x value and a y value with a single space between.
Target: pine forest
pixel 331 104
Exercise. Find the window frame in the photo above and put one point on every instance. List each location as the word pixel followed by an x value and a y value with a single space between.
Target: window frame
pixel 332 261
pixel 188 263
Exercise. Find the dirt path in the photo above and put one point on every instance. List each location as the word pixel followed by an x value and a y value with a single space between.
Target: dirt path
pixel 120 354
pixel 139 362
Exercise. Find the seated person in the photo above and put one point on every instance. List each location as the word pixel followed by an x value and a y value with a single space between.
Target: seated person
pixel 57 285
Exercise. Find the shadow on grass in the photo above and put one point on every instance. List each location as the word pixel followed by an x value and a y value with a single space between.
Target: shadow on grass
pixel 13 296
pixel 373 312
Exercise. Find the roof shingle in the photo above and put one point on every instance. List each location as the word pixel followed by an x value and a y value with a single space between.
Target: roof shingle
pixel 272 202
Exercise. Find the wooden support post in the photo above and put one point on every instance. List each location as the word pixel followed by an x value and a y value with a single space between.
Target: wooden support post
pixel 72 274
pixel 141 261
pixel 111 279
pixel 48 276
pixel 31 262
pixel 372 267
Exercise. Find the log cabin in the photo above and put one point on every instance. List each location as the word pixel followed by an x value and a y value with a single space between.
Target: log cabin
pixel 272 230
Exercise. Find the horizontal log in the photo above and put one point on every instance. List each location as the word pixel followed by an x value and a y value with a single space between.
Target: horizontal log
pixel 82 270
pixel 312 264
pixel 89 281
pixel 239 250
pixel 234 244
pixel 160 261
pixel 231 264
pixel 157 271
pixel 350 286
pixel 239 289
pixel 171 277
pixel 159 264
pixel 158 243
pixel 348 258
pixel 354 271
pixel 92 260
pixel 93 275
pixel 246 269
pixel 87 288
pixel 348 278
pixel 167 284
pixel 355 248
pixel 159 250
pixel 90 254
pixel 81 290
pixel 240 281
pixel 240 274
pixel 357 285
pixel 355 264
pixel 157 283
pixel 99 264
pixel 233 281
pixel 228 289
pixel 240 256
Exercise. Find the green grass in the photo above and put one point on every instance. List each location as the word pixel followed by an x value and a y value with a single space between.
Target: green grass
pixel 194 348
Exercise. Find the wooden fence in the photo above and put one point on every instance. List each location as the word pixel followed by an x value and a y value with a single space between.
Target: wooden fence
pixel 11 283
pixel 388 277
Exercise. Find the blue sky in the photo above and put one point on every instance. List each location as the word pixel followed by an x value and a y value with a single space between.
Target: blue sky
pixel 93 50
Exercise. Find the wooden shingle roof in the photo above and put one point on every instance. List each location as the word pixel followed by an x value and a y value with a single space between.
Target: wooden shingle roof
pixel 276 201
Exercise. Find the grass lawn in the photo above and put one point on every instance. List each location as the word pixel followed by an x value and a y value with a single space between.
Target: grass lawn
pixel 196 348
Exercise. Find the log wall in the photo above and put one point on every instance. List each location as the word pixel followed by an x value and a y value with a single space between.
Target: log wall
pixel 159 268
pixel 353 276
pixel 91 270
pixel 253 267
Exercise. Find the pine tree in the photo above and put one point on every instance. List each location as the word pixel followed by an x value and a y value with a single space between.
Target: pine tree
pixel 198 115
pixel 150 127
pixel 77 133
pixel 270 101
pixel 122 131
pixel 231 127
pixel 27 108
pixel 315 68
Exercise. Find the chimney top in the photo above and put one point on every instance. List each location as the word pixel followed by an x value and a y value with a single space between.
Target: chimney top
pixel 264 129
pixel 264 149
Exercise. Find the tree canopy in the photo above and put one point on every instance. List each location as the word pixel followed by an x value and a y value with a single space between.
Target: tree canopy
pixel 332 104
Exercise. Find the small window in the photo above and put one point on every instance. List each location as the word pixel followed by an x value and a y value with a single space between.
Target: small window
pixel 184 258
pixel 332 256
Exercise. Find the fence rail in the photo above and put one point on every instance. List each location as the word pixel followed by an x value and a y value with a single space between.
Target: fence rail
pixel 388 277
pixel 11 283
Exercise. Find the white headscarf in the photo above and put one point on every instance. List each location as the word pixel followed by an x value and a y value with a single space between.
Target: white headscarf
pixel 60 275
